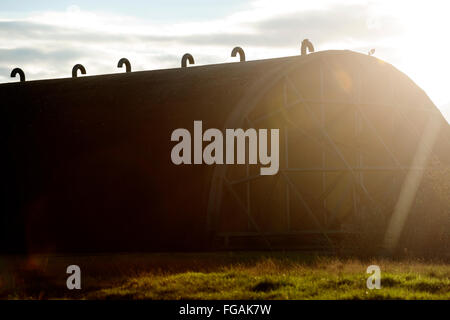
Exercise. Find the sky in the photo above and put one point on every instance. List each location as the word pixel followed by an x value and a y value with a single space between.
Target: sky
pixel 46 38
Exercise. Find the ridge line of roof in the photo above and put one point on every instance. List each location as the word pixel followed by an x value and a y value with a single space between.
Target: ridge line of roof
pixel 178 69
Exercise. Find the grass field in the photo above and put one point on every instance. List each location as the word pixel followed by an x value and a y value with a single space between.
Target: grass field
pixel 245 275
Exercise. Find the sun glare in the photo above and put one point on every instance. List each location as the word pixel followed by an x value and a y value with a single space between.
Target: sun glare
pixel 422 49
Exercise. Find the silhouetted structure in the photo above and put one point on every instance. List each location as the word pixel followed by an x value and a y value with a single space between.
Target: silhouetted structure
pixel 306 46
pixel 241 52
pixel 76 68
pixel 126 62
pixel 87 161
pixel 18 71
pixel 187 57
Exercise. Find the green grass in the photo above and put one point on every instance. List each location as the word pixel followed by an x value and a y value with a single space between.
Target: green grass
pixel 249 275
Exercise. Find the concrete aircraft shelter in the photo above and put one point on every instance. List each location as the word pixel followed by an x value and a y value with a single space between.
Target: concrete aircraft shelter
pixel 86 161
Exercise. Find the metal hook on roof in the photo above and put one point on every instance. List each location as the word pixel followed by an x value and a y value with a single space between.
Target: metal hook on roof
pixel 241 52
pixel 18 71
pixel 126 62
pixel 76 68
pixel 307 45
pixel 189 57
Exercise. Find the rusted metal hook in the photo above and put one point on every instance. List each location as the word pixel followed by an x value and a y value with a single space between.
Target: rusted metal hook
pixel 76 68
pixel 241 52
pixel 186 57
pixel 126 62
pixel 18 71
pixel 307 45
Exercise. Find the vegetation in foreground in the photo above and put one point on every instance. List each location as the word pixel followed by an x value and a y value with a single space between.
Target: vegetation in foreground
pixel 249 275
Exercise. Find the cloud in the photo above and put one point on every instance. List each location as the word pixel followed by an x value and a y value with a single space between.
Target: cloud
pixel 28 55
pixel 334 24
pixel 41 32
pixel 23 29
pixel 48 44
